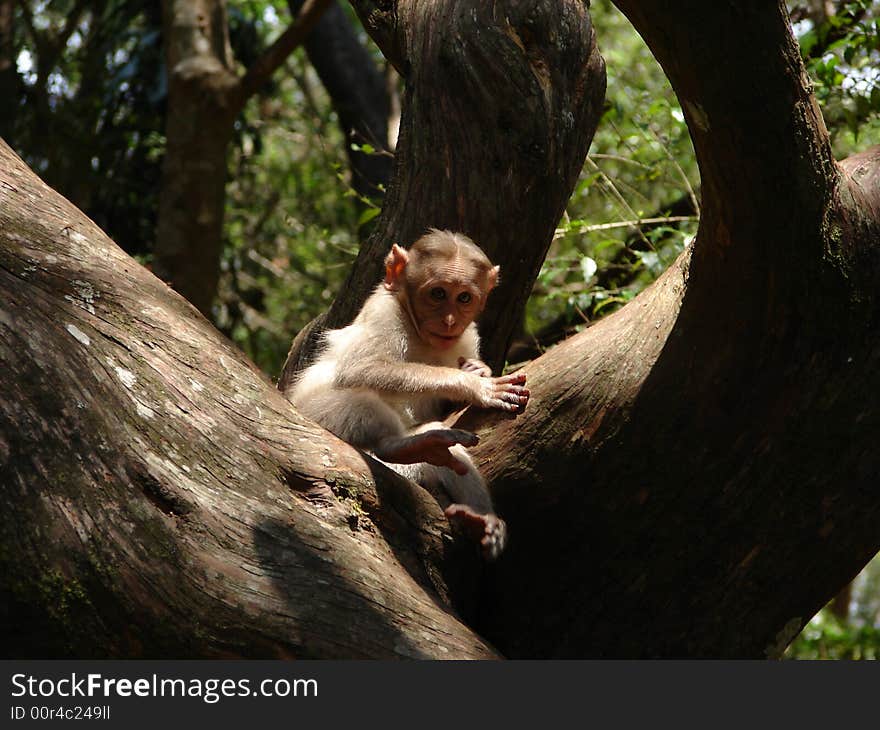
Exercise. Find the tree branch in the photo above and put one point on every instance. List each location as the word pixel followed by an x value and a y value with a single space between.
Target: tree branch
pixel 155 478
pixel 273 57
pixel 380 19
pixel 708 398
pixel 760 140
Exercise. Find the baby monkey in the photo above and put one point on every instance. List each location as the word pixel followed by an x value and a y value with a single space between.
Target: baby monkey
pixel 384 382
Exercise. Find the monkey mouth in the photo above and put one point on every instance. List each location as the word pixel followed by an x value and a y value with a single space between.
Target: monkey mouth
pixel 447 340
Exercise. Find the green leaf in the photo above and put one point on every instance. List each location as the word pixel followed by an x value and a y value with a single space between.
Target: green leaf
pixel 367 216
pixel 807 42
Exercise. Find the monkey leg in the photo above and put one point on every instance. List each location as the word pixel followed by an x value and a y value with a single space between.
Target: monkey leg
pixel 360 418
pixel 487 529
pixel 429 445
pixel 368 422
pixel 472 512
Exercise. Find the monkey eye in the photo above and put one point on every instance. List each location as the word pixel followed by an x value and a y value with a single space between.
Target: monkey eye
pixel 438 294
pixel 465 297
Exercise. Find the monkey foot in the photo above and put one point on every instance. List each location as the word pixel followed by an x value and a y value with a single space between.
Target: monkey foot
pixel 431 447
pixel 489 529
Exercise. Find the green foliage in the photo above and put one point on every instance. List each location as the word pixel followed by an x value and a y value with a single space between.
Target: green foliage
pixel 828 637
pixel 634 207
pixel 291 228
pixel 842 55
pixel 854 635
pixel 87 108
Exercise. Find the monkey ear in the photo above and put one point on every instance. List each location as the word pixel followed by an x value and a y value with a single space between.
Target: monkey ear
pixel 395 263
pixel 492 278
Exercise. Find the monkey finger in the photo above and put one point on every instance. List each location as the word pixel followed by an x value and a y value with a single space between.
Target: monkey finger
pixel 514 401
pixel 503 405
pixel 513 378
pixel 465 438
pixel 516 389
pixel 513 394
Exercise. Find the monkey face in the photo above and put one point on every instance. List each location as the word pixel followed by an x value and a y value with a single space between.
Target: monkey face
pixel 443 309
pixel 442 282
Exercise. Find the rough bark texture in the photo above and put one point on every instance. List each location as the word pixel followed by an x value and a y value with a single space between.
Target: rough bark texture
pixel 709 477
pixel 161 498
pixel 500 105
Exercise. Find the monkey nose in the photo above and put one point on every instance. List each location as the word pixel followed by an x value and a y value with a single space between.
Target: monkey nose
pixel 449 320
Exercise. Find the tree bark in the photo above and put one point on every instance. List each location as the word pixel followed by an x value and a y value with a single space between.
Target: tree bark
pixel 712 464
pixel 162 499
pixel 199 122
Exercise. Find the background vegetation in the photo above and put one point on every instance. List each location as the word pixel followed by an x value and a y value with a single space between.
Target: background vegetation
pixel 87 87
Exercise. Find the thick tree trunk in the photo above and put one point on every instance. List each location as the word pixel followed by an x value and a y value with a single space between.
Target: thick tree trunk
pixel 205 96
pixel 712 466
pixel 200 115
pixel 161 498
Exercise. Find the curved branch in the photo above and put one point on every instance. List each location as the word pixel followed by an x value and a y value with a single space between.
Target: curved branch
pixel 161 499
pixel 762 147
pixel 271 59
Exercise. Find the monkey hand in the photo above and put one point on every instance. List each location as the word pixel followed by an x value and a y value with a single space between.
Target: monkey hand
pixel 505 392
pixel 431 447
pixel 478 367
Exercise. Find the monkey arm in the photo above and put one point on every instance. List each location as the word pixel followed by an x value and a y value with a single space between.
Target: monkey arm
pixel 476 366
pixel 506 392
pixel 409 377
